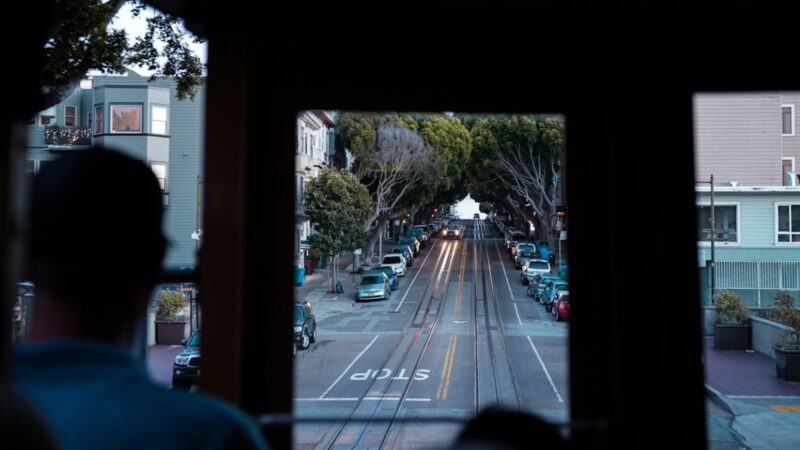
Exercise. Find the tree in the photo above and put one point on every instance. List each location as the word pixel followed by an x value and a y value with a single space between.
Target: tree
pixel 337 205
pixel 398 160
pixel 78 40
pixel 533 169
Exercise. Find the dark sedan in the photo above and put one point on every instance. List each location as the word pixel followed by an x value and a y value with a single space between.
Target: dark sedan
pixel 305 325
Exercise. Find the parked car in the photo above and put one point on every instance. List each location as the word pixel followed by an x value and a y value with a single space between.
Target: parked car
pixel 406 252
pixel 539 280
pixel 525 251
pixel 397 261
pixel 374 287
pixel 394 279
pixel 543 248
pixel 412 243
pixel 551 291
pixel 305 325
pixel 532 268
pixel 186 367
pixel 561 306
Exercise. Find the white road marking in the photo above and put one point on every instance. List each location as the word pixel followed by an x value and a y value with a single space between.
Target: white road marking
pixel 547 374
pixel 408 289
pixel 504 272
pixel 517 311
pixel 351 365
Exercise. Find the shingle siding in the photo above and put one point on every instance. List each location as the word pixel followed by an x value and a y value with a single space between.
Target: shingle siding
pixel 738 138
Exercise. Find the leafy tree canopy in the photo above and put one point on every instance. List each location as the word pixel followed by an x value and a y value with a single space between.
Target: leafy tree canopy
pixel 337 205
pixel 81 41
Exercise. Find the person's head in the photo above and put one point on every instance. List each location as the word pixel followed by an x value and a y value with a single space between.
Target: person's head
pixel 96 239
pixel 499 428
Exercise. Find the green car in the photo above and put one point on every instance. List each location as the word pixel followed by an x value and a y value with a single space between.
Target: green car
pixel 374 287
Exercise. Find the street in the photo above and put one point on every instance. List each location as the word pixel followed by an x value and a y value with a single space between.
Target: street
pixel 458 335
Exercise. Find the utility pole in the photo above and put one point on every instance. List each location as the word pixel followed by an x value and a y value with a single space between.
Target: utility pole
pixel 713 239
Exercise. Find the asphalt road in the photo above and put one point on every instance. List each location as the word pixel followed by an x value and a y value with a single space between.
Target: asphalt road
pixel 458 335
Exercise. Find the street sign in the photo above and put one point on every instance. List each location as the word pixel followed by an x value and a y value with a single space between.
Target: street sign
pixel 357 251
pixel 397 222
pixel 562 236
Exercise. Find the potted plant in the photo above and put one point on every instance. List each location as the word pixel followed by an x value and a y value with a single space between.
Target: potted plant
pixel 171 327
pixel 787 350
pixel 732 327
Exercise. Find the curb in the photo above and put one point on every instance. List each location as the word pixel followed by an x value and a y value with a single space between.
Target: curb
pixel 722 400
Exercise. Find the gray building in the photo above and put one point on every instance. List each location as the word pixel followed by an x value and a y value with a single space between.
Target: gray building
pixel 146 121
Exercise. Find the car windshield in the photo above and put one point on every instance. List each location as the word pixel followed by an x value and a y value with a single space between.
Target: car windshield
pixel 386 270
pixel 538 265
pixel 373 279
pixel 562 287
pixel 526 254
pixel 392 260
pixel 299 313
pixel 195 340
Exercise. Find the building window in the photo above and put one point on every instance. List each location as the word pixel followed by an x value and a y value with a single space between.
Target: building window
pixel 160 170
pixel 70 112
pixel 726 223
pixel 788 173
pixel 98 120
pixel 787 120
pixel 788 223
pixel 126 118
pixel 89 120
pixel 158 122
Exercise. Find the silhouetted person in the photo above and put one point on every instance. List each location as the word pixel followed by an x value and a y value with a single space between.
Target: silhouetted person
pixel 502 429
pixel 23 426
pixel 96 248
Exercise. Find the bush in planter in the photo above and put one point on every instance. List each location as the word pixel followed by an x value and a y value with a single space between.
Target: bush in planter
pixel 732 328
pixel 787 350
pixel 785 313
pixel 170 303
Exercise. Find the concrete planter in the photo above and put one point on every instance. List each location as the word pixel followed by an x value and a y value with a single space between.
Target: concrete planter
pixel 787 364
pixel 731 337
pixel 171 333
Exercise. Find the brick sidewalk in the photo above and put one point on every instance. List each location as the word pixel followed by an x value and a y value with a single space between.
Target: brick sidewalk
pixel 736 372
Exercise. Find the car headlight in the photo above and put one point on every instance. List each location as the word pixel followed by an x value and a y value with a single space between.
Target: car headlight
pixel 298 329
pixel 182 360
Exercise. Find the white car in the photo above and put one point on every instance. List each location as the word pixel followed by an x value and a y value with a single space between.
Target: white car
pixel 396 261
pixel 532 268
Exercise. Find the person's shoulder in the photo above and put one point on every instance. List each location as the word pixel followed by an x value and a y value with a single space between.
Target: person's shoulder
pixel 210 419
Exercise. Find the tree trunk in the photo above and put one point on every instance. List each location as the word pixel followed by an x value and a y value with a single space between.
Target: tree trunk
pixel 332 272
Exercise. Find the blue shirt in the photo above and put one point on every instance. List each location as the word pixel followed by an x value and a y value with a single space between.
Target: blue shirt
pixel 97 396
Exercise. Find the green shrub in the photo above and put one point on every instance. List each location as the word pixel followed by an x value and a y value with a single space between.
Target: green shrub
pixel 169 304
pixel 785 313
pixel 731 309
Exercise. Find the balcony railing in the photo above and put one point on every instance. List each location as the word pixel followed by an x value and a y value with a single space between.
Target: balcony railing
pixel 67 136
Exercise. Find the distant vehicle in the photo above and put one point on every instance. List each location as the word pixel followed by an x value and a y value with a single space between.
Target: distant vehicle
pixel 551 291
pixel 524 254
pixel 186 367
pixel 394 279
pixel 397 261
pixel 476 216
pixel 539 280
pixel 452 233
pixel 305 325
pixel 374 287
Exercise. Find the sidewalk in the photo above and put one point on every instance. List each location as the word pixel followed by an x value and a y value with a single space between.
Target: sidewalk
pixel 766 410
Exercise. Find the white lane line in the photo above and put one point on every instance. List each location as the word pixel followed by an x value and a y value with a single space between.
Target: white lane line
pixel 517 311
pixel 504 272
pixel 547 374
pixel 408 289
pixel 351 365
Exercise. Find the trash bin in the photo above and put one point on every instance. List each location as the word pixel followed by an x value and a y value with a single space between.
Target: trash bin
pixel 299 276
